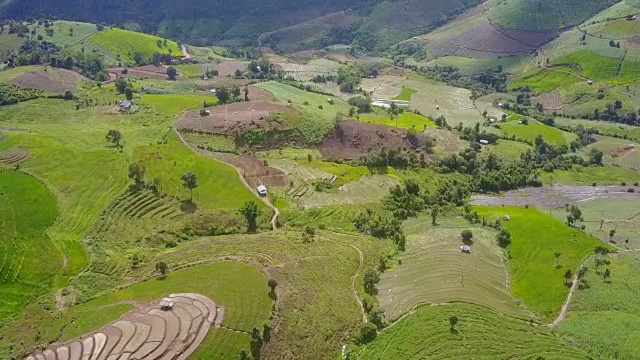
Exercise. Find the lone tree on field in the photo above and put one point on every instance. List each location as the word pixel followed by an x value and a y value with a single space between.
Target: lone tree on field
pixel 136 173
pixel 246 93
pixel 162 268
pixel 172 72
pixel 556 256
pixel 504 238
pixel 128 93
pixel 606 274
pixel 371 278
pixel 114 137
pixel 251 211
pixel 272 286
pixel 567 276
pixel 189 181
pixel 243 355
pixel 453 321
pixel 434 215
pixel 223 95
pixel 612 233
pixel 256 342
pixel 467 235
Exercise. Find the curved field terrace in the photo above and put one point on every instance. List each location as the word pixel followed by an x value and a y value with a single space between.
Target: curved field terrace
pixel 14 156
pixel 154 332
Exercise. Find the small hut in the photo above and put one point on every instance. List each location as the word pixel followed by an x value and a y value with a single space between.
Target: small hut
pixel 166 304
pixel 465 249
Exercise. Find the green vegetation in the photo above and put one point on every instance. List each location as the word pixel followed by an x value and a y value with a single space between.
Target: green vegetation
pixel 406 120
pixel 174 104
pixel 113 42
pixel 65 33
pixel 604 317
pixel 528 132
pixel 601 68
pixel 478 331
pixel 218 183
pixel 27 209
pixel 601 175
pixel 405 94
pixel 544 80
pixel 435 271
pixel 535 277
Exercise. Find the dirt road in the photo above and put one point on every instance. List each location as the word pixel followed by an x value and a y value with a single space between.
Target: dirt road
pixel 276 212
pixel 185 52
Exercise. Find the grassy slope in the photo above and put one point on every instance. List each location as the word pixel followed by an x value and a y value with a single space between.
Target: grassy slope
pixel 598 67
pixel 536 237
pixel 543 14
pixel 435 271
pixel 115 41
pixel 604 319
pixel 405 120
pixel 176 103
pixel 479 334
pixel 604 128
pixel 315 122
pixel 218 184
pixel 600 175
pixel 27 209
pixel 544 80
pixel 61 32
pixel 405 94
pixel 534 128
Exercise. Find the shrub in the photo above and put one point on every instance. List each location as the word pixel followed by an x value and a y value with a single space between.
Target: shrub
pixel 368 333
pixel 467 235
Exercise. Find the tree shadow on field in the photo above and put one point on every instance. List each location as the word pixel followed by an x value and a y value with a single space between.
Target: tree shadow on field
pixel 188 206
pixel 467 242
pixel 454 331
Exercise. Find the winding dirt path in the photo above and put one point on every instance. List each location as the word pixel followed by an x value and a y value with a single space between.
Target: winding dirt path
pixel 276 212
pixel 185 52
pixel 574 286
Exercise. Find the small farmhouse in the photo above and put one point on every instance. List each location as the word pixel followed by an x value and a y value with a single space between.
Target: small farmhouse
pixel 124 105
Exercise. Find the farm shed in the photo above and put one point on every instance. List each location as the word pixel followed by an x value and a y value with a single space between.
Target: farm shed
pixel 465 249
pixel 166 304
pixel 124 105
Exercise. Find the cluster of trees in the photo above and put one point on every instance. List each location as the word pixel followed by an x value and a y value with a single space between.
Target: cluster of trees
pixel 381 225
pixel 11 94
pixel 123 86
pixel 398 158
pixel 611 113
pixel 31 52
pixel 361 104
pixel 227 95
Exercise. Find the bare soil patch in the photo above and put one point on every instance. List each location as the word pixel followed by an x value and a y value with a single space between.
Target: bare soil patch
pixel 14 156
pixel 254 169
pixel 145 72
pixel 352 139
pixel 551 100
pixel 231 118
pixel 149 333
pixel 50 80
pixel 228 68
pixel 554 196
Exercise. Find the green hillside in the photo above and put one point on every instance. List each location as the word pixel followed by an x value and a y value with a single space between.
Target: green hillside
pixel 124 44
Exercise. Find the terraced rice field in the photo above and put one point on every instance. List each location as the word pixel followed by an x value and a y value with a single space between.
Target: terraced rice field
pixel 407 120
pixel 176 103
pixel 529 132
pixel 544 80
pixel 140 206
pixel 435 271
pixel 479 334
pixel 304 72
pixel 367 189
pixel 620 152
pixel 27 210
pixel 14 156
pixel 150 333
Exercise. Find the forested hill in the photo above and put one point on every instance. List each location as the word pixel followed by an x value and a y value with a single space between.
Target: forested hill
pixel 373 24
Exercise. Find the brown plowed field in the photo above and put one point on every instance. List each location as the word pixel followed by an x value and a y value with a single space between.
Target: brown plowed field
pixel 228 119
pixel 147 71
pixel 14 156
pixel 51 81
pixel 352 139
pixel 149 333
pixel 228 68
pixel 253 169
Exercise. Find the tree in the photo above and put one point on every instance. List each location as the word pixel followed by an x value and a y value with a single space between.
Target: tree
pixel 235 93
pixel 434 214
pixel 243 355
pixel 251 211
pixel 606 274
pixel 256 342
pixel 128 93
pixel 612 233
pixel 556 256
pixel 121 85
pixel 595 157
pixel 114 137
pixel 223 95
pixel 162 268
pixel 138 57
pixel 368 333
pixel 371 278
pixel 567 276
pixel 467 235
pixel 189 181
pixel 453 321
pixel 376 316
pixel 68 95
pixel 136 173
pixel 172 72
pixel 246 93
pixel 272 285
